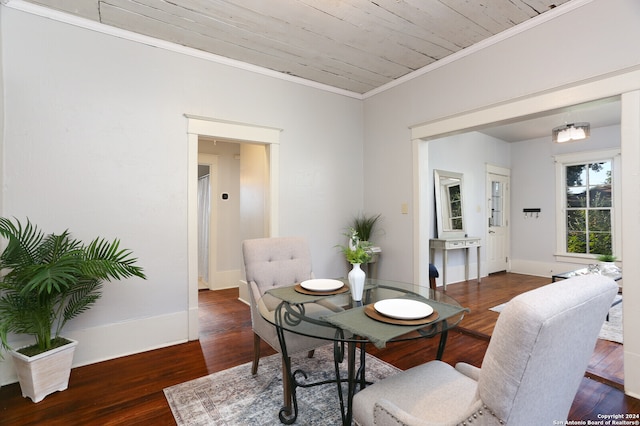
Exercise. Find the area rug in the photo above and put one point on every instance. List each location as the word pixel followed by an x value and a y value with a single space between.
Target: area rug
pixel 611 329
pixel 234 397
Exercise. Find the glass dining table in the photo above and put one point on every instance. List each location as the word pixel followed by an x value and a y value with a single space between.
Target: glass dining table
pixel 334 316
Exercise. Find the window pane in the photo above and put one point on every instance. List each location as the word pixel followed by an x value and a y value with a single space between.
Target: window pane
pixel 588 191
pixel 576 242
pixel 600 243
pixel 576 175
pixel 577 196
pixel 456 209
pixel 600 220
pixel 600 196
pixel 454 193
pixel 600 173
pixel 496 203
pixel 577 220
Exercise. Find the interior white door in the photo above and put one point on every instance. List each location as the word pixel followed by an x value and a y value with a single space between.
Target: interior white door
pixel 498 236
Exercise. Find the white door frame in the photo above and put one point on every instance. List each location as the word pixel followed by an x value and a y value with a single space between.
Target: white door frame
pixel 241 132
pixel 506 204
pixel 625 84
pixel 211 160
pixel 590 90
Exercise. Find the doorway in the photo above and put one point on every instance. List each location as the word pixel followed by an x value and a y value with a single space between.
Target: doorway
pixel 207 223
pixel 498 213
pixel 245 134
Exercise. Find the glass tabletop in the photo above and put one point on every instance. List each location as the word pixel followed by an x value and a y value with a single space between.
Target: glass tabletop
pixel 336 317
pixel 614 272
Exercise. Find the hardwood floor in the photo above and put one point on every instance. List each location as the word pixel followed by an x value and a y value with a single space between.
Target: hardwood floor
pixel 607 362
pixel 128 390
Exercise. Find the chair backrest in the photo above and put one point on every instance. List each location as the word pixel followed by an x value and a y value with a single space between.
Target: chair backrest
pixel 276 262
pixel 541 347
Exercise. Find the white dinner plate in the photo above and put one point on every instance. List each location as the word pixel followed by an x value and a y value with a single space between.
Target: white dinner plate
pixel 404 309
pixel 321 284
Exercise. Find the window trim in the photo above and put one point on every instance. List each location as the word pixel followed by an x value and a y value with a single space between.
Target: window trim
pixel 563 160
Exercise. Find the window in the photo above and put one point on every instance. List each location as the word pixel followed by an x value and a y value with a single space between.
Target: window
pixel 587 195
pixel 588 203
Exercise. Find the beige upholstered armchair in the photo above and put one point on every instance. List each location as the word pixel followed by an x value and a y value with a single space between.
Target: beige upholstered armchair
pixel 530 374
pixel 271 263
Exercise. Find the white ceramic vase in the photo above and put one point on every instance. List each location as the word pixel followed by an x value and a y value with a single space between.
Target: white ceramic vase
pixel 356 282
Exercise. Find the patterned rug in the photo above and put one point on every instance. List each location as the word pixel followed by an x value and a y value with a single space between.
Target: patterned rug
pixel 234 397
pixel 611 329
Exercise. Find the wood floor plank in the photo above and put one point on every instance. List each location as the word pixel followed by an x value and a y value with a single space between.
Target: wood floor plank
pixel 128 390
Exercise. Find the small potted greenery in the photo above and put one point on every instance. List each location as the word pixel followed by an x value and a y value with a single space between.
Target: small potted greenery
pixel 608 258
pixel 365 225
pixel 608 264
pixel 47 280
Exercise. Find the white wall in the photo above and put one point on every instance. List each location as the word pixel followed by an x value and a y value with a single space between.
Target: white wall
pixel 101 120
pixel 96 142
pixel 533 184
pixel 466 153
pixel 2 115
pixel 520 66
pixel 512 68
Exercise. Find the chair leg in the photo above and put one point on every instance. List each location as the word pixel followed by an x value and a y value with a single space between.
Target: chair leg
pixel 256 354
pixel 310 354
pixel 432 282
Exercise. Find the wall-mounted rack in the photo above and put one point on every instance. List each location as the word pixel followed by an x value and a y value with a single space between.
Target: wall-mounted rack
pixel 531 212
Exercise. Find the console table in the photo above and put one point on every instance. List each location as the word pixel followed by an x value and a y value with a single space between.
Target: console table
pixel 446 244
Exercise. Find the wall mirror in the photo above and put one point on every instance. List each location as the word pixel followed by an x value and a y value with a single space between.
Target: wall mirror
pixel 449 207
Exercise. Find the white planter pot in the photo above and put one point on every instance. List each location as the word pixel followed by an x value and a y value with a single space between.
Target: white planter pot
pixel 45 373
pixel 608 268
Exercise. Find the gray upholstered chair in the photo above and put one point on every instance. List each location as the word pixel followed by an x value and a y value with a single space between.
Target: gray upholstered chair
pixel 532 369
pixel 271 263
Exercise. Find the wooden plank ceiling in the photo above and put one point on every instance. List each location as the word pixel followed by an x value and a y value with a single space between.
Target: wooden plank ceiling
pixel 355 45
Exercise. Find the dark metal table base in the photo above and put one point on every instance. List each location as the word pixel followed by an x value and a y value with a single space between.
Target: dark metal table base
pixel 355 378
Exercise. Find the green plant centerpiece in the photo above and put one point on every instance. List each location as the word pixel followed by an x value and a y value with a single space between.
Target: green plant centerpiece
pixel 50 279
pixel 356 251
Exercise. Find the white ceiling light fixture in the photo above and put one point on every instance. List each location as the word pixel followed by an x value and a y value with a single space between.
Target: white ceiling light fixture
pixel 571 132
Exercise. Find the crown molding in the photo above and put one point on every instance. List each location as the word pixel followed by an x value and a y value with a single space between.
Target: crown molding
pixel 504 35
pixel 91 25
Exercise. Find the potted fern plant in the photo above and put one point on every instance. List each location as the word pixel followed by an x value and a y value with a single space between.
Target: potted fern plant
pixel 47 280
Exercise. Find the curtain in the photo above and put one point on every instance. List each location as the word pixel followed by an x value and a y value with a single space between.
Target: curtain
pixel 204 214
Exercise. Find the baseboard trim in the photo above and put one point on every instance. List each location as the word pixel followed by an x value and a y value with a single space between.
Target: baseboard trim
pixel 116 340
